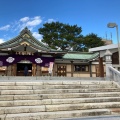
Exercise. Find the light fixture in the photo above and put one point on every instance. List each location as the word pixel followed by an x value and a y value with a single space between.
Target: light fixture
pixel 112 25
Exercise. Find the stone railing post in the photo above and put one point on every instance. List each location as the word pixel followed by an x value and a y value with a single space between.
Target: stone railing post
pixel 108 61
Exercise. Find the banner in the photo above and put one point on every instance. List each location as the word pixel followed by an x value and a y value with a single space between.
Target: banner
pixel 50 67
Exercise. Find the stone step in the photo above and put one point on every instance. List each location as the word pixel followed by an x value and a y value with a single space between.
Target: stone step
pixel 78 82
pixel 57 91
pixel 16 87
pixel 55 82
pixel 71 86
pixel 22 109
pixel 115 110
pixel 83 106
pixel 24 103
pixel 23 93
pixel 59 96
pixel 39 97
pixel 85 100
pixel 58 101
pixel 9 78
pixel 53 99
pixel 61 107
pixel 55 115
pixel 31 87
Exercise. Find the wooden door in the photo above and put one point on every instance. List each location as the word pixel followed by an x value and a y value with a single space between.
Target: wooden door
pixel 61 70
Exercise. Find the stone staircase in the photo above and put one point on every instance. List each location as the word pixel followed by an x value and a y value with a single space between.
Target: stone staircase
pixel 56 99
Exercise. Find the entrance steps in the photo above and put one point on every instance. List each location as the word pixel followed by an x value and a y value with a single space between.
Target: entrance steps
pixel 55 99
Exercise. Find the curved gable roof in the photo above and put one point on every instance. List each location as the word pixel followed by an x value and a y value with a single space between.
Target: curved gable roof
pixel 25 36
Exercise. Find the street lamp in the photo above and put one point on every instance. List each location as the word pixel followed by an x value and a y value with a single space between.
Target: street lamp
pixel 112 25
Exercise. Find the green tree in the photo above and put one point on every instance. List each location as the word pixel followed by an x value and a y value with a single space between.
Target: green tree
pixel 91 41
pixel 59 35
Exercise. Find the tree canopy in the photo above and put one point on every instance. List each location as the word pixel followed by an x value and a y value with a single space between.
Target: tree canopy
pixel 68 37
pixel 92 40
pixel 89 41
pixel 59 35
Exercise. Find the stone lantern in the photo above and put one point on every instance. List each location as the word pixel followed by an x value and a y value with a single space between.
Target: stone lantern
pixel 108 61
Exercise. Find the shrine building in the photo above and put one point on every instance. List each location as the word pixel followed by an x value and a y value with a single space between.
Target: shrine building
pixel 26 50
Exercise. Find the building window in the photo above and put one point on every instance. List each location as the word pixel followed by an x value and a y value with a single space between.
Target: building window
pixel 82 68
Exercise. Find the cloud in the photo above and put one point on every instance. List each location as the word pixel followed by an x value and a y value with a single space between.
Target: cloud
pixel 24 19
pixel 5 27
pixel 28 22
pixel 50 20
pixel 1 40
pixel 35 21
pixel 32 23
pixel 37 36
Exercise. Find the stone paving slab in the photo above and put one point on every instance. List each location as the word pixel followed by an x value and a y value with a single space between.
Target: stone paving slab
pixel 95 118
pixel 49 78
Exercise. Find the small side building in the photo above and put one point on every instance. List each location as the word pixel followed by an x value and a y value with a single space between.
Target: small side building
pixel 114 49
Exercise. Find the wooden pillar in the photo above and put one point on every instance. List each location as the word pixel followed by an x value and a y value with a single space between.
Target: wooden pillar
pixel 33 69
pixel 38 70
pixel 14 69
pixel 9 70
pixel 101 68
pixel 54 69
pixel 72 68
pixel 90 69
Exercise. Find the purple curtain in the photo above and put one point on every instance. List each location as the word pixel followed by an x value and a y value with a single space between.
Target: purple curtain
pixel 13 59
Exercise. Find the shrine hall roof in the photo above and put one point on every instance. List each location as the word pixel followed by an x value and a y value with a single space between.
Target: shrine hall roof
pixel 33 45
pixel 26 37
pixel 81 56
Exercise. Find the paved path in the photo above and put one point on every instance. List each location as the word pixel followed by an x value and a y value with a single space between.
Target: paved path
pixel 96 118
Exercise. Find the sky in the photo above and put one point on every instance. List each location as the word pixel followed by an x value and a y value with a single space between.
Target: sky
pixel 91 15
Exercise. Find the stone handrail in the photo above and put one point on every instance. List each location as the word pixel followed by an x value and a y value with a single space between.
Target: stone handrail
pixel 114 74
